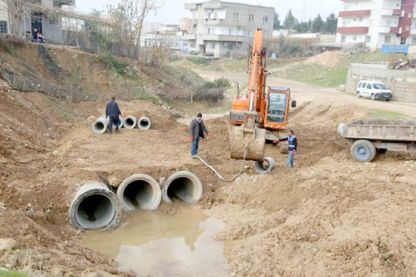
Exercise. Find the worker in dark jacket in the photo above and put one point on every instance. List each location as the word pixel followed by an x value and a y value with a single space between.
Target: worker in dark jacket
pixel 197 130
pixel 292 147
pixel 113 113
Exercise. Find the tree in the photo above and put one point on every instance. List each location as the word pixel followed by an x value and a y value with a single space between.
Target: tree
pixel 290 21
pixel 276 22
pixel 302 27
pixel 128 18
pixel 17 11
pixel 330 25
pixel 317 24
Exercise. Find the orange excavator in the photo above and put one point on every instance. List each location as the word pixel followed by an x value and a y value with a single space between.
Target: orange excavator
pixel 260 114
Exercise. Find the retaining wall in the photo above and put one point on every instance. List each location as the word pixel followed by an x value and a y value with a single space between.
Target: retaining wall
pixel 401 82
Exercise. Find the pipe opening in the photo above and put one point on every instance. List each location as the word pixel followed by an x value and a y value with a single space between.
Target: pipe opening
pixel 182 186
pixel 265 166
pixel 139 192
pixel 181 189
pixel 95 212
pixel 144 123
pixel 138 195
pixel 99 126
pixel 130 122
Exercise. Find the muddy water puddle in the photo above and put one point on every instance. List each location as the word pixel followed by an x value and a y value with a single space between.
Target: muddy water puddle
pixel 153 244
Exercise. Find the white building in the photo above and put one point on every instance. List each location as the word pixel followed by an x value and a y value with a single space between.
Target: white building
pixel 4 18
pixel 223 28
pixel 377 22
pixel 50 25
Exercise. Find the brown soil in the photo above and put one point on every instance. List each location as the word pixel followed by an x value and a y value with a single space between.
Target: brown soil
pixel 327 216
pixel 328 59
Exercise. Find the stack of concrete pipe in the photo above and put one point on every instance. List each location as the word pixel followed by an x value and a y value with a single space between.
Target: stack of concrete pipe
pixel 96 206
pixel 100 125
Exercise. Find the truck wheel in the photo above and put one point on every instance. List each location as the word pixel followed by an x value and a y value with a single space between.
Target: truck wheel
pixel 363 151
pixel 266 166
pixel 358 94
pixel 373 97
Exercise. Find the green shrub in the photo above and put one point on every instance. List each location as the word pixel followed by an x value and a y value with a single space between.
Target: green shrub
pixel 113 63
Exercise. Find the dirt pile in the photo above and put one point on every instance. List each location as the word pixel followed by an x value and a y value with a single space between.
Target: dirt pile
pixel 327 59
pixel 328 216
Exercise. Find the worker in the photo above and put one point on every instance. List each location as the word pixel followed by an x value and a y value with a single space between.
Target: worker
pixel 113 113
pixel 197 130
pixel 292 147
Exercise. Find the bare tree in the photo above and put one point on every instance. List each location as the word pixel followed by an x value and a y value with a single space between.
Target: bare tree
pixel 128 17
pixel 16 12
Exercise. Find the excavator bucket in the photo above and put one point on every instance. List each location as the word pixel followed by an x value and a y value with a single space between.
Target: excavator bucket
pixel 247 143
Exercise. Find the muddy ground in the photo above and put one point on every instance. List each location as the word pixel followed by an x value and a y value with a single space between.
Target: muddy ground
pixel 328 216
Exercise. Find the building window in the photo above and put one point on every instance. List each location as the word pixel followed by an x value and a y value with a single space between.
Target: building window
pixel 343 38
pixel 265 19
pixel 3 27
pixel 413 40
pixel 251 17
pixel 212 45
pixel 387 39
pixel 235 16
pixel 368 39
pixel 354 38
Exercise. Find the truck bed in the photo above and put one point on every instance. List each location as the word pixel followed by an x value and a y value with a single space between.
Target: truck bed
pixel 381 130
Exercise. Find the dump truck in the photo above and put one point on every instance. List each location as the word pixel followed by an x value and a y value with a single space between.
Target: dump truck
pixel 371 137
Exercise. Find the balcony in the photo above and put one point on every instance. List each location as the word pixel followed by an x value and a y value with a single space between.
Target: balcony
pixel 362 13
pixel 353 30
pixel 225 38
pixel 397 12
pixel 189 36
pixel 395 30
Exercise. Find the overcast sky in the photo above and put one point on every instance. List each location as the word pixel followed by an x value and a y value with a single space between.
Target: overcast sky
pixel 173 10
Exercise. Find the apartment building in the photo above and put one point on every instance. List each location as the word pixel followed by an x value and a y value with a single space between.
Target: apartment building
pixel 377 23
pixel 4 18
pixel 38 15
pixel 223 29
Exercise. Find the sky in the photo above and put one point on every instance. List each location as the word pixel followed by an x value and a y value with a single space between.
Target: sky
pixel 173 10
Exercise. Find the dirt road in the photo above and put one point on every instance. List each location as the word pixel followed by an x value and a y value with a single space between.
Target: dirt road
pixel 306 92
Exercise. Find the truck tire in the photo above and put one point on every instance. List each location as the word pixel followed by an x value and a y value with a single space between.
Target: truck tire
pixel 363 151
pixel 266 166
pixel 373 97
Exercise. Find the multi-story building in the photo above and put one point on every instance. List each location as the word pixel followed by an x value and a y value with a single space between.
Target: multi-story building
pixel 4 18
pixel 224 28
pixel 377 22
pixel 41 15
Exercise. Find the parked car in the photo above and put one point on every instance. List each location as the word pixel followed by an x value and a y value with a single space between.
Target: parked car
pixel 374 90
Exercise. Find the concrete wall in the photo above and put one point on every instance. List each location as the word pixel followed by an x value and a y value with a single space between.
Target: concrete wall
pixel 401 82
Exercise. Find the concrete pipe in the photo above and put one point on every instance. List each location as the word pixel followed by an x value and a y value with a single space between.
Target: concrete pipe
pixel 265 166
pixel 144 123
pixel 100 125
pixel 130 122
pixel 95 206
pixel 183 186
pixel 139 192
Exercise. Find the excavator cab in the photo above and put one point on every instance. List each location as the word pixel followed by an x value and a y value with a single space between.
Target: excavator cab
pixel 277 108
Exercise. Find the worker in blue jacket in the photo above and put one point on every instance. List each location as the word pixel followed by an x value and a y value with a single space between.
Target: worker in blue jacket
pixel 292 147
pixel 113 112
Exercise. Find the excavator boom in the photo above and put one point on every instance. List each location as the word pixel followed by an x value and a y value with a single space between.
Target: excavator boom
pixel 258 111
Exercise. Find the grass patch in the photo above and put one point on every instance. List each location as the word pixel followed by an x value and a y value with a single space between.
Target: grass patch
pixel 4 273
pixel 317 74
pixel 113 63
pixel 387 115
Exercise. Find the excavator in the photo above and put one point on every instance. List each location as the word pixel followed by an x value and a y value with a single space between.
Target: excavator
pixel 261 114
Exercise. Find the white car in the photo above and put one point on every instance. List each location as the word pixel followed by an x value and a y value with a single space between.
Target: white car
pixel 374 90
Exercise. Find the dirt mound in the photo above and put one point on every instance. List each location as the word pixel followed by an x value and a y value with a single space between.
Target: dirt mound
pixel 327 59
